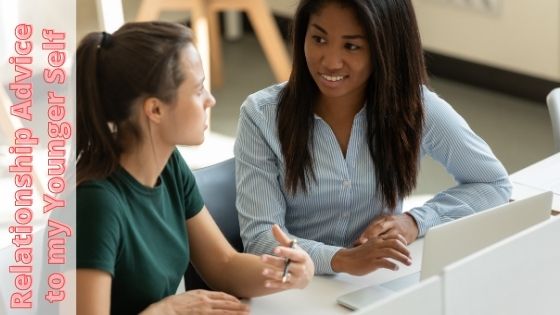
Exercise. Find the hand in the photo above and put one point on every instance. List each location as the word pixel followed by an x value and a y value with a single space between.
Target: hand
pixel 300 269
pixel 199 302
pixel 390 226
pixel 375 253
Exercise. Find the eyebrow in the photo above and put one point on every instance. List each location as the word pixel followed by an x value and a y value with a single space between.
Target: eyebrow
pixel 322 30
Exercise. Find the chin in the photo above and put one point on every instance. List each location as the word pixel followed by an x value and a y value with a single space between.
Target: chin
pixel 332 93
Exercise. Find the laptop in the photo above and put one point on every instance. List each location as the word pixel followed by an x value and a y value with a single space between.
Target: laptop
pixel 454 240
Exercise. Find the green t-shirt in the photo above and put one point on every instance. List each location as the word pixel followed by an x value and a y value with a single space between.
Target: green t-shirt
pixel 137 234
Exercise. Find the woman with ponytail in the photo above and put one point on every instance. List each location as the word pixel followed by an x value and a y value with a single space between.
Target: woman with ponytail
pixel 140 217
pixel 330 155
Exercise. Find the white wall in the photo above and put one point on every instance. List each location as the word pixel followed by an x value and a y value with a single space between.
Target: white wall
pixel 524 36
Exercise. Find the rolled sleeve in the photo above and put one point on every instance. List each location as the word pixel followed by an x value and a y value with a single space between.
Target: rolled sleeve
pixel 482 180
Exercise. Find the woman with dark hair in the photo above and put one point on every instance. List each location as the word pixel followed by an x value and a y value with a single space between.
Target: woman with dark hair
pixel 330 155
pixel 140 217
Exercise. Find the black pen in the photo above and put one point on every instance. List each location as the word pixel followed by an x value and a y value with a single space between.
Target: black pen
pixel 288 261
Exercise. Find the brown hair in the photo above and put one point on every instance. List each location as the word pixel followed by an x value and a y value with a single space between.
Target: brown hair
pixel 138 61
pixel 394 110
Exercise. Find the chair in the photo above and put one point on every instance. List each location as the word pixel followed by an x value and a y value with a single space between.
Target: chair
pixel 217 187
pixel 553 102
pixel 205 23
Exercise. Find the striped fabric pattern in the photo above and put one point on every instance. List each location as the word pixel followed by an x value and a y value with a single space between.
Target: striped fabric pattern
pixel 343 200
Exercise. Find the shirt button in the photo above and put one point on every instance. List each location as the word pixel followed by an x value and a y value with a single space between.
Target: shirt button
pixel 346 183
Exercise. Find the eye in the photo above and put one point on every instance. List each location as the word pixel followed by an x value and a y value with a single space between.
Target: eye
pixel 318 39
pixel 351 46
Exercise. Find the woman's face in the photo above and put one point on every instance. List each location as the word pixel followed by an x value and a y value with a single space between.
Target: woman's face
pixel 186 119
pixel 337 52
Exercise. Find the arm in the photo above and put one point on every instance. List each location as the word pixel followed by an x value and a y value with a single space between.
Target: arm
pixel 93 291
pixel 261 202
pixel 247 275
pixel 258 175
pixel 482 181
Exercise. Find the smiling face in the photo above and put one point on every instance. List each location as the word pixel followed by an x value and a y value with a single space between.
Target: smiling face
pixel 337 53
pixel 186 119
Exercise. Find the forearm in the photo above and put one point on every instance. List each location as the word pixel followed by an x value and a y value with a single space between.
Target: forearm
pixel 157 308
pixel 460 201
pixel 245 278
pixel 321 254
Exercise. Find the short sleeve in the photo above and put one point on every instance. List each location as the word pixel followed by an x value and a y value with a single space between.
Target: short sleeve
pixel 98 230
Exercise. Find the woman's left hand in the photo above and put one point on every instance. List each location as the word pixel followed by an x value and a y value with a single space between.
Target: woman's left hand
pixel 300 266
pixel 389 227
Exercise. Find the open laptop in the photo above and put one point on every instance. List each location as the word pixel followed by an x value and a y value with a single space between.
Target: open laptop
pixel 454 240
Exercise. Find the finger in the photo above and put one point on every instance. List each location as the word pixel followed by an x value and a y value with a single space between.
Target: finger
pixel 396 255
pixel 221 296
pixel 294 254
pixel 402 239
pixel 378 227
pixel 394 234
pixel 277 285
pixel 395 245
pixel 224 312
pixel 228 305
pixel 280 236
pixel 272 274
pixel 361 240
pixel 387 264
pixel 273 261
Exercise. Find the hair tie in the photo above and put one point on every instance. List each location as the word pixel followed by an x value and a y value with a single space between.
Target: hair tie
pixel 106 40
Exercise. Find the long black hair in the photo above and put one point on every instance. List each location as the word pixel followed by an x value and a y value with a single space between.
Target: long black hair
pixel 138 61
pixel 393 97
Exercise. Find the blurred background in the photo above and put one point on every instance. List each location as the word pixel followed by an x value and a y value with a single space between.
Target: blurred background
pixel 492 60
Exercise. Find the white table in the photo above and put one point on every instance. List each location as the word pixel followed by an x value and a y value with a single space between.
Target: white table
pixel 321 294
pixel 541 176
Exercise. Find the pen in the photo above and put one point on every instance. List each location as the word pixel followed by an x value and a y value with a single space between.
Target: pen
pixel 288 261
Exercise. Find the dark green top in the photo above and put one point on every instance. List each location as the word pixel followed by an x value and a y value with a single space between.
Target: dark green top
pixel 137 234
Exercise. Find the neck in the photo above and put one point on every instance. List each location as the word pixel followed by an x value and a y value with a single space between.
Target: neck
pixel 342 107
pixel 145 162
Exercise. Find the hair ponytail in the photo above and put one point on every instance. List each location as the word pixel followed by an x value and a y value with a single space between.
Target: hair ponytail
pixel 97 150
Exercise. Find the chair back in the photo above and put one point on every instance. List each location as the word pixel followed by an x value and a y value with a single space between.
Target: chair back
pixel 553 103
pixel 217 187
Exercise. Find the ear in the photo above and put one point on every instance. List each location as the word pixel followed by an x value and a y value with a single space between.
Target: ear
pixel 152 108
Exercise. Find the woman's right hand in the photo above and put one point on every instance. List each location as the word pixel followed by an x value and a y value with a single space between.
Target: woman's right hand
pixel 377 252
pixel 198 302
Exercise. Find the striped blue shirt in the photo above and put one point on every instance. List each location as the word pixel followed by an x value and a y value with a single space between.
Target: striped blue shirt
pixel 343 200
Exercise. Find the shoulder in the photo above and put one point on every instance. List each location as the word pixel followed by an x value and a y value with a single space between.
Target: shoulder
pixel 99 191
pixel 263 102
pixel 438 112
pixel 177 169
pixel 99 201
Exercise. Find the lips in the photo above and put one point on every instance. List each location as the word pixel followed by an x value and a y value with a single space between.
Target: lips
pixel 332 80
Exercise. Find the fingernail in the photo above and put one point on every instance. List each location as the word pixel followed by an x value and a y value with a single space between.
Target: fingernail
pixel 396 268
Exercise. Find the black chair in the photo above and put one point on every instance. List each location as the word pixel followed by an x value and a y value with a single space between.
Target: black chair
pixel 217 186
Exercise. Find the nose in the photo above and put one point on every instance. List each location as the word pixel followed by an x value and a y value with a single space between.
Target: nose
pixel 332 59
pixel 210 101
